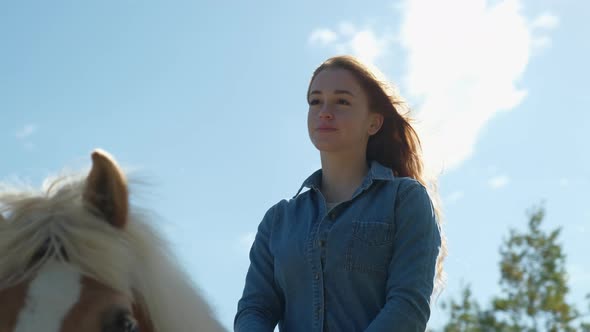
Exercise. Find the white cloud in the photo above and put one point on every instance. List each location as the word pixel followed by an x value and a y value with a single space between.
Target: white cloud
pixel 545 21
pixel 541 42
pixel 26 131
pixel 323 36
pixel 367 46
pixel 245 241
pixel 464 62
pixel 564 182
pixel 454 197
pixel 464 66
pixel 348 39
pixel 499 181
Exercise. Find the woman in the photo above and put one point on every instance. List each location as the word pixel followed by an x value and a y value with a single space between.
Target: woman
pixel 360 249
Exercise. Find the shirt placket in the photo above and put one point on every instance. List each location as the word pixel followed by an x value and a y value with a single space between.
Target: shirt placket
pixel 319 247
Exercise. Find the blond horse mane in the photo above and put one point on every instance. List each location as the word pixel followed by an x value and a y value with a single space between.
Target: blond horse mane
pixel 134 260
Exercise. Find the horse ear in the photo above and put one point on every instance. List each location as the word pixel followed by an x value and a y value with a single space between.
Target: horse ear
pixel 106 189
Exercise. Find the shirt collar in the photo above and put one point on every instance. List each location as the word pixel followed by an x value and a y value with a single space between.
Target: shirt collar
pixel 376 172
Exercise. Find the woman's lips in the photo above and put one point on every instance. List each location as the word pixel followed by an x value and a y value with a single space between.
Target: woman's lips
pixel 326 129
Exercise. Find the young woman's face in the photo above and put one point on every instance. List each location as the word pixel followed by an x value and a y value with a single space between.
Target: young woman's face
pixel 339 118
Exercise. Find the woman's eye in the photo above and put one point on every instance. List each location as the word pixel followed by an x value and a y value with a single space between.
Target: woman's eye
pixel 314 102
pixel 343 102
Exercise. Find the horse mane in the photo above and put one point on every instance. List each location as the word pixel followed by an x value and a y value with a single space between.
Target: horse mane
pixel 55 223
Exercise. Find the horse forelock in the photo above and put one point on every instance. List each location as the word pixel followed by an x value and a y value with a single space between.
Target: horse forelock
pixel 55 223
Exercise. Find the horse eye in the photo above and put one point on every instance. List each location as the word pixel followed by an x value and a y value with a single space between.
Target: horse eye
pixel 121 321
pixel 126 323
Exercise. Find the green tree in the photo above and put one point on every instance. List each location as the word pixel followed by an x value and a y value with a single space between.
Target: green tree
pixel 585 326
pixel 466 315
pixel 534 288
pixel 534 280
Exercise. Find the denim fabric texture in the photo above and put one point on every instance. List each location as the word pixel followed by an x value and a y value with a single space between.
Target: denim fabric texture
pixel 367 265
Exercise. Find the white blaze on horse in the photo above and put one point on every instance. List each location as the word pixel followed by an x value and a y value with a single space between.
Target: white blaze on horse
pixel 75 257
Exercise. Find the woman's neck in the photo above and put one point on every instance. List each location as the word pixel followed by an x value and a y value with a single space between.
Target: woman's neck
pixel 342 175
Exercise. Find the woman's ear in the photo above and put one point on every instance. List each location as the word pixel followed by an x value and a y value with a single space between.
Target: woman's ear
pixel 376 123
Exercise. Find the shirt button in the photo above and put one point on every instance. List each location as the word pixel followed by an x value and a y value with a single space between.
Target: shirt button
pixel 322 243
pixel 317 276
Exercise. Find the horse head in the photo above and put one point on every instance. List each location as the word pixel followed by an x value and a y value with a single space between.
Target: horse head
pixel 76 257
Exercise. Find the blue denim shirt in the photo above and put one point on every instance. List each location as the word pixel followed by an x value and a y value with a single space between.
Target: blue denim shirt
pixel 368 265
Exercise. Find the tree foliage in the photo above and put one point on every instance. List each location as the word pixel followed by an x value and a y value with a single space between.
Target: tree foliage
pixel 533 282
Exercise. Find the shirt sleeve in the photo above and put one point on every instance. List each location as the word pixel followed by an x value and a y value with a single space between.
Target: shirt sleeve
pixel 411 271
pixel 261 305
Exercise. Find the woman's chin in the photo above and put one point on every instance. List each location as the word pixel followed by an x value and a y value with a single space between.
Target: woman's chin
pixel 324 146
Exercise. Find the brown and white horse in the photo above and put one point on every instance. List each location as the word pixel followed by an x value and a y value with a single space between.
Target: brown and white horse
pixel 75 257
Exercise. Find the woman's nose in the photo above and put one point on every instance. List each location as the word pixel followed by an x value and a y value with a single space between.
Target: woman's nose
pixel 326 112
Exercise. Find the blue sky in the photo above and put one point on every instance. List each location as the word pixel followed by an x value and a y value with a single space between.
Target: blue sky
pixel 206 102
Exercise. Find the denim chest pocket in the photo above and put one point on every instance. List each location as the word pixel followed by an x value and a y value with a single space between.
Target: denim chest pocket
pixel 372 233
pixel 370 247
